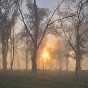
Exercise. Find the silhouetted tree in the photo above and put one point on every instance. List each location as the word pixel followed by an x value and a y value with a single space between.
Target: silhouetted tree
pixel 74 30
pixel 8 11
pixel 36 31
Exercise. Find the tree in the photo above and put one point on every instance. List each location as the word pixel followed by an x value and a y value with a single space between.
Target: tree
pixel 12 49
pixel 36 30
pixel 8 11
pixel 30 20
pixel 74 30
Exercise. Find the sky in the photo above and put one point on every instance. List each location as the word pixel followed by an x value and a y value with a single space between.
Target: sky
pixel 47 3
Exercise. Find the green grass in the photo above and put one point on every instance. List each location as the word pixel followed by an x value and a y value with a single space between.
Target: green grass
pixel 7 81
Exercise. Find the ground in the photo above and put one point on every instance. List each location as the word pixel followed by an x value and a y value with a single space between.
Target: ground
pixel 45 79
pixel 7 81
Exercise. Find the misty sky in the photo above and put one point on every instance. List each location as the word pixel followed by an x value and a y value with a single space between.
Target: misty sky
pixel 47 3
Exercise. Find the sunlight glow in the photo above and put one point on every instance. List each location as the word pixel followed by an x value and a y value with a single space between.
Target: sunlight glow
pixel 45 55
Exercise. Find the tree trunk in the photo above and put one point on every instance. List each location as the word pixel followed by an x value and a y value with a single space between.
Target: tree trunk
pixel 34 61
pixel 4 62
pixel 27 54
pixel 12 52
pixel 78 68
pixel 78 58
pixel 18 63
pixel 67 62
pixel 4 55
pixel 60 72
pixel 26 60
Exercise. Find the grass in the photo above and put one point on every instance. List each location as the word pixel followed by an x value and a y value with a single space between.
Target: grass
pixel 22 81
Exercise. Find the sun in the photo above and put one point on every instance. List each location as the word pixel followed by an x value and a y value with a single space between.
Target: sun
pixel 45 55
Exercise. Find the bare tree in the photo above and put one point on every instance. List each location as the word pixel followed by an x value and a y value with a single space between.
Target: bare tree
pixel 35 38
pixel 8 12
pixel 74 32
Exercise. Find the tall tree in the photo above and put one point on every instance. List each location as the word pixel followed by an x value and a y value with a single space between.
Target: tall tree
pixel 34 38
pixel 74 30
pixel 8 10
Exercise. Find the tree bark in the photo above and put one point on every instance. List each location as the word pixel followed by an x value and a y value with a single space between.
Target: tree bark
pixel 4 50
pixel 26 60
pixel 12 52
pixel 60 72
pixel 4 55
pixel 78 57
pixel 4 62
pixel 67 62
pixel 27 54
pixel 34 64
pixel 34 61
pixel 18 63
pixel 77 69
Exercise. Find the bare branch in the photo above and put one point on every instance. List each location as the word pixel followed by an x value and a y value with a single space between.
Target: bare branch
pixel 25 24
pixel 55 11
pixel 52 23
pixel 84 33
pixel 49 22
pixel 61 19
pixel 67 38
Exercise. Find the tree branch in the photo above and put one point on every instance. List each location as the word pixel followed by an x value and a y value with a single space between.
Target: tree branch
pixel 61 19
pixel 84 33
pixel 49 22
pixel 25 24
pixel 67 38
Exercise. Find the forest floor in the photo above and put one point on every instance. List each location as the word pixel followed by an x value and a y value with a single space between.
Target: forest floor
pixel 15 80
pixel 28 82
